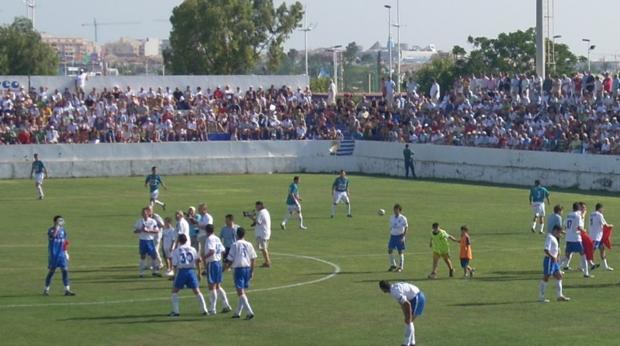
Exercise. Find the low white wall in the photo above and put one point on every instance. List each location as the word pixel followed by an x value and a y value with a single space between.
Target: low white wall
pixel 587 172
pixel 136 82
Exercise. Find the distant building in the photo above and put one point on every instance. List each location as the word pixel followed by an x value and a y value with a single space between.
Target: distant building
pixel 150 47
pixel 71 50
pixel 124 47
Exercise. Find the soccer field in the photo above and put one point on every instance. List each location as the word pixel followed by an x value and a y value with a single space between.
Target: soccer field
pixel 323 286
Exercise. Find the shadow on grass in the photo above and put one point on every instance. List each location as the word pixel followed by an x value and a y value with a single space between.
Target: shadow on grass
pixel 592 286
pixel 104 269
pixel 494 303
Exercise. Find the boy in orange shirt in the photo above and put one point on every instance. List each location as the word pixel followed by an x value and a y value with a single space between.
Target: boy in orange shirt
pixel 465 254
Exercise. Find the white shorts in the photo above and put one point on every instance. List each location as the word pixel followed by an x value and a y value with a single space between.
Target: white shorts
pixel 155 194
pixel 538 208
pixel 341 196
pixel 38 178
pixel 262 244
pixel 294 209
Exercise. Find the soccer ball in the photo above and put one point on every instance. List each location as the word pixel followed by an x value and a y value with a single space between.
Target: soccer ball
pixel 381 212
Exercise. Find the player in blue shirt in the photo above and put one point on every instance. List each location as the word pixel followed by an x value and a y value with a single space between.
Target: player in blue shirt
pixel 154 181
pixel 340 192
pixel 293 203
pixel 57 255
pixel 39 172
pixel 538 195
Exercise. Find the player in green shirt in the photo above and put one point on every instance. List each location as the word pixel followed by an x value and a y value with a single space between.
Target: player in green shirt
pixel 441 249
pixel 39 172
pixel 154 181
pixel 538 195
pixel 340 193
pixel 293 203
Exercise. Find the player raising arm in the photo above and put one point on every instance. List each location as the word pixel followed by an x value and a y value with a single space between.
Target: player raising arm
pixel 341 192
pixel 57 256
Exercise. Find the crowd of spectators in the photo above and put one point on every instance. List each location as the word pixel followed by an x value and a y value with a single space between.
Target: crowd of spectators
pixel 578 114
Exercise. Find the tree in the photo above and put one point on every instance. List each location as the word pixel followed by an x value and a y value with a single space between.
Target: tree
pixel 22 52
pixel 513 52
pixel 229 36
pixel 441 68
pixel 350 53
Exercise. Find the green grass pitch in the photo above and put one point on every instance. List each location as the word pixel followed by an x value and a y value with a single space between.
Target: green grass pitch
pixel 115 307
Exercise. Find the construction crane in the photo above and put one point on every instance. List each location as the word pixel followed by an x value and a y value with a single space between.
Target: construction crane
pixel 96 26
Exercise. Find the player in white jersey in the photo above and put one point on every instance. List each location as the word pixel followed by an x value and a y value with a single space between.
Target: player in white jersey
pixel 398 231
pixel 412 302
pixel 597 223
pixel 213 265
pixel 204 219
pixel 182 226
pixel 147 230
pixel 551 266
pixel 241 258
pixel 159 235
pixel 574 227
pixel 262 223
pixel 184 259
pixel 169 236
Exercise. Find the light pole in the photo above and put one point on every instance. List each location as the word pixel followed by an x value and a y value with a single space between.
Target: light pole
pixel 397 25
pixel 389 8
pixel 553 51
pixel 335 50
pixel 306 28
pixel 591 47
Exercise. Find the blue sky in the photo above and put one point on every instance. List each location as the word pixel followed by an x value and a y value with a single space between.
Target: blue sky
pixel 441 22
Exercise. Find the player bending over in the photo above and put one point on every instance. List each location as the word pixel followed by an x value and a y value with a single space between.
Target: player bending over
pixel 341 192
pixel 398 231
pixel 241 258
pixel 411 300
pixel 293 204
pixel 551 266
pixel 57 256
pixel 184 259
pixel 154 181
pixel 213 265
pixel 538 194
pixel 441 249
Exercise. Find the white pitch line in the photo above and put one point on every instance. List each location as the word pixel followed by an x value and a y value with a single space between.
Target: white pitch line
pixel 141 300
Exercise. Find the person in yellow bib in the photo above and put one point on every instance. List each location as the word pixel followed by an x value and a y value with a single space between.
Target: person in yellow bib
pixel 441 249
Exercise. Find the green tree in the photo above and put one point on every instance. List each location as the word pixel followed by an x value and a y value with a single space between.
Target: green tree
pixel 22 52
pixel 442 68
pixel 350 53
pixel 229 36
pixel 512 52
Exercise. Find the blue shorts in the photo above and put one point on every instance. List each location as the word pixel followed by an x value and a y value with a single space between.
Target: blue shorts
pixel 147 247
pixel 417 304
pixel 242 277
pixel 574 246
pixel 58 261
pixel 550 267
pixel 464 262
pixel 599 245
pixel 186 278
pixel 396 242
pixel 214 272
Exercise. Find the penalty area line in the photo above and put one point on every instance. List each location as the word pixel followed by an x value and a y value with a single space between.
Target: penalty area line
pixel 335 267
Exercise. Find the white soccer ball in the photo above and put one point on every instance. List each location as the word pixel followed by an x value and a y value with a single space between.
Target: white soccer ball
pixel 381 212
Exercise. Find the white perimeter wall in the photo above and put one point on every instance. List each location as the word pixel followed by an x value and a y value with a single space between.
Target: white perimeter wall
pixel 443 162
pixel 137 82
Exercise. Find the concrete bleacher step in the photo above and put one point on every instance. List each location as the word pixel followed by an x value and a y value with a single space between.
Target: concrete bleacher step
pixel 346 147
